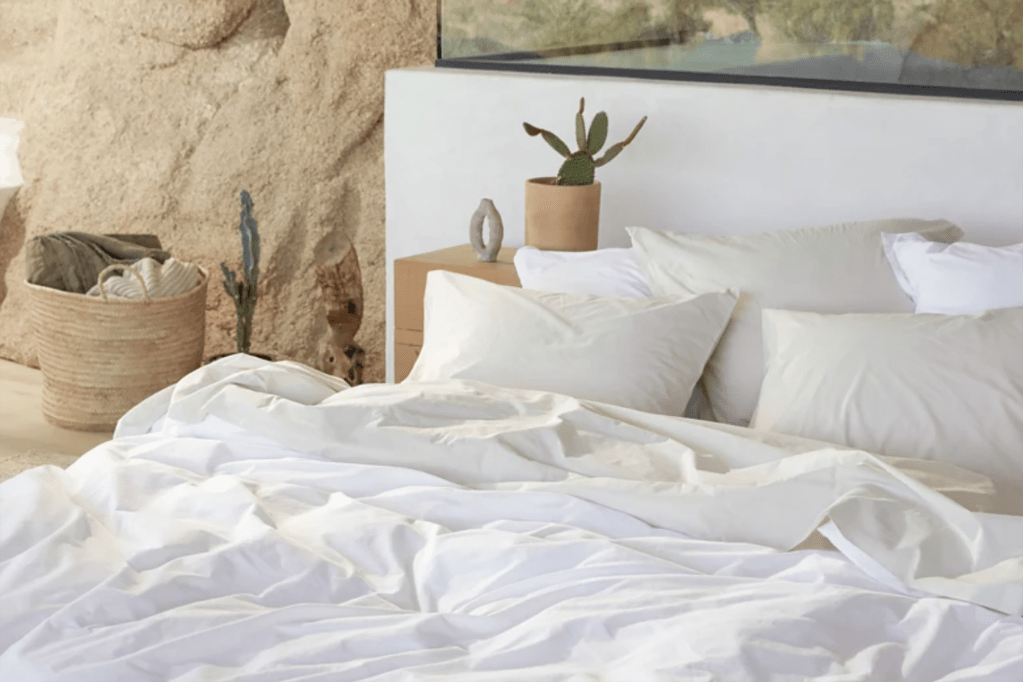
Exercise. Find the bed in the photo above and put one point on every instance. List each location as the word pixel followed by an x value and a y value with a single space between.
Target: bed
pixel 263 521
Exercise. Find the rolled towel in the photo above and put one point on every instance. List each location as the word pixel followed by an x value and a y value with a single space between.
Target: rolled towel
pixel 71 261
pixel 172 278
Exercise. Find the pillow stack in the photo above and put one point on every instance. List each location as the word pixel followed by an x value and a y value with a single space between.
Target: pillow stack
pixel 833 269
pixel 641 353
pixel 939 387
pixel 889 336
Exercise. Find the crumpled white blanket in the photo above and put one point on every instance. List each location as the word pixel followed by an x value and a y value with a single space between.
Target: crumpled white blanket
pixel 261 522
pixel 171 278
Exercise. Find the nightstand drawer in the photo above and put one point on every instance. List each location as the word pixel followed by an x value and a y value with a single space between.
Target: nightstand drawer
pixel 410 278
pixel 404 359
pixel 410 287
pixel 408 337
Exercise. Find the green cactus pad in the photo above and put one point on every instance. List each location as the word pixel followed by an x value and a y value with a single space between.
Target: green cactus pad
pixel 579 169
pixel 580 166
pixel 598 134
pixel 552 139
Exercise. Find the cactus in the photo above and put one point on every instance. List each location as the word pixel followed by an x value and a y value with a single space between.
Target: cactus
pixel 244 293
pixel 580 167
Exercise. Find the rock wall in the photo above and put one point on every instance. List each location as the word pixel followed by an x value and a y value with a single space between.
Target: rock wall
pixel 973 33
pixel 150 116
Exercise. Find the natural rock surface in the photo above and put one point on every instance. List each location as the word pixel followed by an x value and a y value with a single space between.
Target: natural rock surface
pixel 973 33
pixel 563 23
pixel 27 29
pixel 186 23
pixel 142 126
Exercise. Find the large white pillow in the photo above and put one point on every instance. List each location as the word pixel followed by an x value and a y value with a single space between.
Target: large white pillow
pixel 604 272
pixel 956 278
pixel 832 269
pixel 610 272
pixel 939 387
pixel 645 354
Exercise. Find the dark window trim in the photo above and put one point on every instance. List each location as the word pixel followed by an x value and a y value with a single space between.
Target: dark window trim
pixel 510 62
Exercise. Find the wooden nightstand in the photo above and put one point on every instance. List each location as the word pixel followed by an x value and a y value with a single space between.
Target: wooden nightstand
pixel 410 286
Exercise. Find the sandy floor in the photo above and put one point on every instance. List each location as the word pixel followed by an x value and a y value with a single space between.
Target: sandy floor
pixel 26 439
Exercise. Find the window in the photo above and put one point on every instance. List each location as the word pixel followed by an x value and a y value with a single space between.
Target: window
pixel 964 48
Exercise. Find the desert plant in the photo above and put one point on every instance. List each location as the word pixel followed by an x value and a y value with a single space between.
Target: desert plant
pixel 244 293
pixel 580 167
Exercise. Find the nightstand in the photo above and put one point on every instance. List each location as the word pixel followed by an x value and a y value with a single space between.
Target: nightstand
pixel 410 287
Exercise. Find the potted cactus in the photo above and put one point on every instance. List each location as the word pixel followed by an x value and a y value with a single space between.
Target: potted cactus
pixel 244 293
pixel 563 212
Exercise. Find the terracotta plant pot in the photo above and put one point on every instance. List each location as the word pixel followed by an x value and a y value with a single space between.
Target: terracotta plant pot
pixel 562 217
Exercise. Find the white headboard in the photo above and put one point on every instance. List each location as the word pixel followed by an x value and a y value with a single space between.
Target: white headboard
pixel 720 159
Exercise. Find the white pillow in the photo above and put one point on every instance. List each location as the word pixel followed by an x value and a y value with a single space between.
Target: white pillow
pixel 938 387
pixel 645 354
pixel 956 278
pixel 604 272
pixel 832 269
pixel 613 273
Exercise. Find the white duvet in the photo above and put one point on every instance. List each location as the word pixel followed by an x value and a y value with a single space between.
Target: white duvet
pixel 256 522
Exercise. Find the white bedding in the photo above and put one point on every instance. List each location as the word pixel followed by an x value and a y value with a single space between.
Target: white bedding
pixel 256 522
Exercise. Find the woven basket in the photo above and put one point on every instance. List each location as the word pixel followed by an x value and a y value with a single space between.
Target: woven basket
pixel 101 358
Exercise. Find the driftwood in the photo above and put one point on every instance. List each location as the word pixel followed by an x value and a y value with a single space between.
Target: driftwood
pixel 341 285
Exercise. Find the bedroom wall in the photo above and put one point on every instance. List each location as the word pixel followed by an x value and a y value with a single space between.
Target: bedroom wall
pixel 711 158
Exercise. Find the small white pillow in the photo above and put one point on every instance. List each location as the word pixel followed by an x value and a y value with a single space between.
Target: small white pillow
pixel 956 278
pixel 938 387
pixel 644 354
pixel 832 269
pixel 613 273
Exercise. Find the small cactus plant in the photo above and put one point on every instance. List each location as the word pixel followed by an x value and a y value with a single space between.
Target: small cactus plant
pixel 580 167
pixel 244 293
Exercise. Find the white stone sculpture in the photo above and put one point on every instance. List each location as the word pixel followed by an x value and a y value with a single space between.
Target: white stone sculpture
pixel 487 253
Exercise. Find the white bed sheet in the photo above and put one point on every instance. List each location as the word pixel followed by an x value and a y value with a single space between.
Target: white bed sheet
pixel 256 522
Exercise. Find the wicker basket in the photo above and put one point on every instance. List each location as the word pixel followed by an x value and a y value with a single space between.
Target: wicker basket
pixel 101 358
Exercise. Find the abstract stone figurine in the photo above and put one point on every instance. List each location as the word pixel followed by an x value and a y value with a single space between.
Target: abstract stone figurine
pixel 487 253
pixel 342 294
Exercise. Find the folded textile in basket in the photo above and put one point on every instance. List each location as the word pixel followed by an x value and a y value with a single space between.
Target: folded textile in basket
pixel 72 261
pixel 171 278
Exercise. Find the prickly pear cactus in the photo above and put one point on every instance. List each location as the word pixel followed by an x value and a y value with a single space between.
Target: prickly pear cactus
pixel 244 293
pixel 580 167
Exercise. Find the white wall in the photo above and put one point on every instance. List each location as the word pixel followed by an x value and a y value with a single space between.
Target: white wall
pixel 723 159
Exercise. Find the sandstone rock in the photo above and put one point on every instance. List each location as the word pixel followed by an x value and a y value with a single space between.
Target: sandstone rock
pixel 127 133
pixel 27 28
pixel 724 23
pixel 974 33
pixel 824 21
pixel 187 23
pixel 560 23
